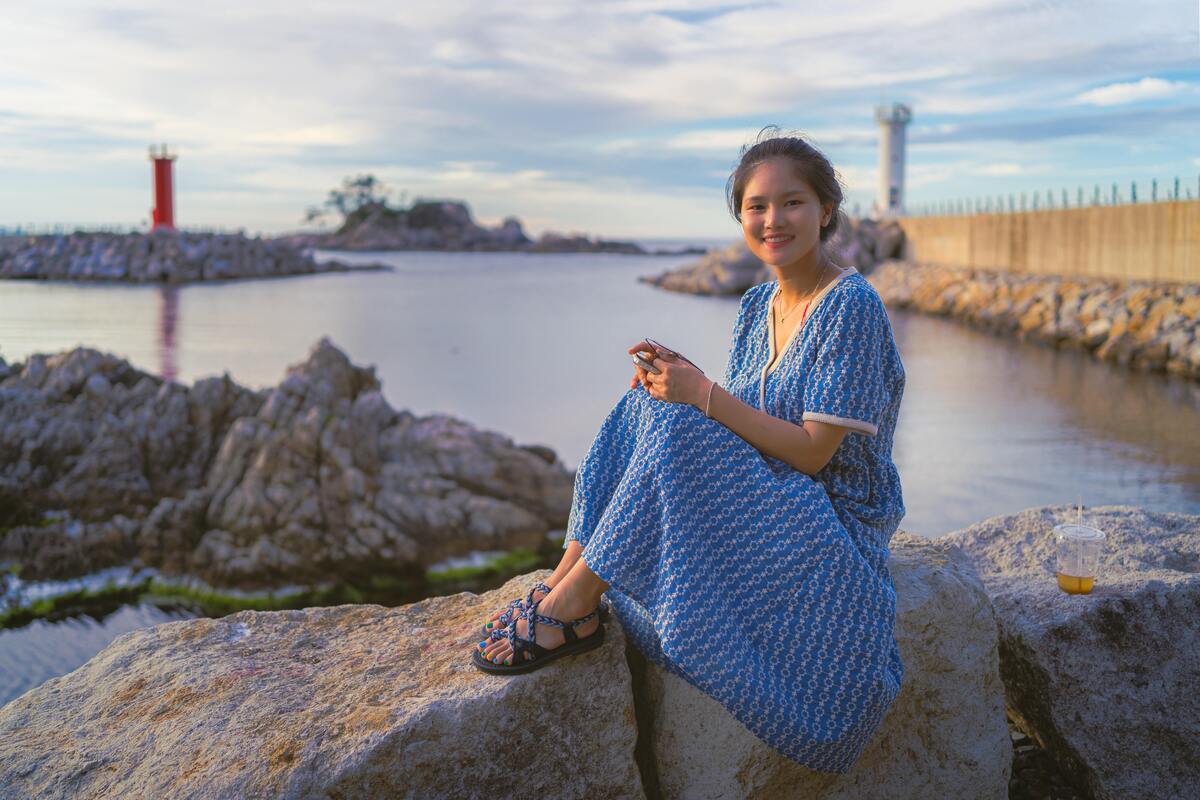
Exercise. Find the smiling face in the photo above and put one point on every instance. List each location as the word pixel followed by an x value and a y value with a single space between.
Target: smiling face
pixel 782 216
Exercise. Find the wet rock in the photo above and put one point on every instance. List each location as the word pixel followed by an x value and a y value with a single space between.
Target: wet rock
pixel 1105 681
pixel 351 701
pixel 945 735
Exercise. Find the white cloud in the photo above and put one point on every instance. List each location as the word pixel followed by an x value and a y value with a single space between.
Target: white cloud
pixel 1146 89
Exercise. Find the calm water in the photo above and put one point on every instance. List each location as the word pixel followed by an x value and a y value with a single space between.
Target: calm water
pixel 533 346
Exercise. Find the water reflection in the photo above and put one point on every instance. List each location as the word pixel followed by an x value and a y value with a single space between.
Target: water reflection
pixel 168 314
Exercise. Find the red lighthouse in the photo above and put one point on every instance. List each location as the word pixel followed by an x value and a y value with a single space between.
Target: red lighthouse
pixel 163 213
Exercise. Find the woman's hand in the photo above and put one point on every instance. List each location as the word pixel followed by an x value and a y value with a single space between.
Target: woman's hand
pixel 679 381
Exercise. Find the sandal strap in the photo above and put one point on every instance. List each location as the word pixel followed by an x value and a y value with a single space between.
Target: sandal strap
pixel 508 616
pixel 568 627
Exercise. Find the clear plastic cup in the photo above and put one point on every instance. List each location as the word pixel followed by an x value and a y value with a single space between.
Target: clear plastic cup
pixel 1077 549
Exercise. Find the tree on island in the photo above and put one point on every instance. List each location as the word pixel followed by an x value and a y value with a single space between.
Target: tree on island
pixel 355 193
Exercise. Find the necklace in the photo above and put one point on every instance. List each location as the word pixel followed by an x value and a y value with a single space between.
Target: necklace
pixel 783 315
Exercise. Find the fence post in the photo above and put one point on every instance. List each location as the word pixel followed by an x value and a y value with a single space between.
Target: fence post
pixel 1133 191
pixel 1154 190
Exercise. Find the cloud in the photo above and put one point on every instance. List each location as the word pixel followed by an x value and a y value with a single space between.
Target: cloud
pixel 1131 92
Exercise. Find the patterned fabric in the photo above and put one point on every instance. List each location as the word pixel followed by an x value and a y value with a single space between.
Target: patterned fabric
pixel 760 585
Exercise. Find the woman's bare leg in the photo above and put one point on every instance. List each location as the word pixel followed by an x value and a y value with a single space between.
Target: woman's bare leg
pixel 577 594
pixel 570 556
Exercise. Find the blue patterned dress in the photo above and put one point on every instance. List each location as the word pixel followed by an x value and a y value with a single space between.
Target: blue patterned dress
pixel 760 585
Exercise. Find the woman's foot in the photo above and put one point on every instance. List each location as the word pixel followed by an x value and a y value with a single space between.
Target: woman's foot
pixel 573 551
pixel 561 604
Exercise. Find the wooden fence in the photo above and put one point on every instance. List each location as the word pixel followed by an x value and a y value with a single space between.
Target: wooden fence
pixel 1141 241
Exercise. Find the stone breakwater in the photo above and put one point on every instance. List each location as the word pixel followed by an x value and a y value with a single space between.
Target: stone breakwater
pixel 317 479
pixel 1151 326
pixel 365 701
pixel 859 243
pixel 160 257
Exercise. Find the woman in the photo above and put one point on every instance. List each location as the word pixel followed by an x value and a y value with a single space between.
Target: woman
pixel 740 530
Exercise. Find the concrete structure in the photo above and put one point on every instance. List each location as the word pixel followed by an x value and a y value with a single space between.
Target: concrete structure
pixel 892 122
pixel 163 213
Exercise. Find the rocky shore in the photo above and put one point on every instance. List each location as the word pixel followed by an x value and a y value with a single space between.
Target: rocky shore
pixel 861 243
pixel 160 257
pixel 316 480
pixel 1151 326
pixel 368 701
pixel 445 225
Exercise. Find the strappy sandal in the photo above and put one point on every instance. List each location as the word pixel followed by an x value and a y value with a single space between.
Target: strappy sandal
pixel 540 656
pixel 514 608
pixel 508 615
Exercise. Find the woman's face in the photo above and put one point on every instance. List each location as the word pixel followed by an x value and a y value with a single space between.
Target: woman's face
pixel 781 214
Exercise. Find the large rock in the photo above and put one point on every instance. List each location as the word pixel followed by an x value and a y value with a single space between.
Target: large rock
pixel 316 479
pixel 1106 681
pixel 945 736
pixel 344 702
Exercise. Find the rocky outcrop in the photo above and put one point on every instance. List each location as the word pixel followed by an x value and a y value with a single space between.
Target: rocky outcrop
pixel 317 479
pixel 362 701
pixel 731 271
pixel 1151 326
pixel 444 225
pixel 945 735
pixel 344 702
pixel 159 257
pixel 1106 681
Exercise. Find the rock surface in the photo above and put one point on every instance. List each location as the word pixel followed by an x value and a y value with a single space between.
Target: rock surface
pixel 1143 325
pixel 355 701
pixel 319 478
pixel 444 225
pixel 945 736
pixel 1104 681
pixel 159 257
pixel 734 269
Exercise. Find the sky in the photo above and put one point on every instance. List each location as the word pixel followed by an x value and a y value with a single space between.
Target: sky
pixel 614 119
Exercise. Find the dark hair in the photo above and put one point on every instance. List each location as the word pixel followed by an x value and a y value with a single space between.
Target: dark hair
pixel 811 166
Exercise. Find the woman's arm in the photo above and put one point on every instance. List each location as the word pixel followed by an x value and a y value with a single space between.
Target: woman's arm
pixel 806 447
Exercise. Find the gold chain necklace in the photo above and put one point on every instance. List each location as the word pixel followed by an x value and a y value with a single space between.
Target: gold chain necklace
pixel 783 315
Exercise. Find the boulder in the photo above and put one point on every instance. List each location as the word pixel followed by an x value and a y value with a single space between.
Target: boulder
pixel 316 479
pixel 1105 681
pixel 353 701
pixel 945 735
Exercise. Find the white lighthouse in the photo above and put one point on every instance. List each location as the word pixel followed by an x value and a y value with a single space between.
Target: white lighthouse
pixel 892 122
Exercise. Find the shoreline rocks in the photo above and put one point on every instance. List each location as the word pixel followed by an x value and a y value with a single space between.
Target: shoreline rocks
pixel 161 257
pixel 861 243
pixel 1148 326
pixel 319 478
pixel 445 225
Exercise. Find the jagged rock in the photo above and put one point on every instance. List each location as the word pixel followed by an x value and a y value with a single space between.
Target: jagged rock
pixel 316 479
pixel 354 701
pixel 1104 681
pixel 945 735
pixel 162 256
pixel 734 269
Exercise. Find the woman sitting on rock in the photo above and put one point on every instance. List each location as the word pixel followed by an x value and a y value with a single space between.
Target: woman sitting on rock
pixel 740 530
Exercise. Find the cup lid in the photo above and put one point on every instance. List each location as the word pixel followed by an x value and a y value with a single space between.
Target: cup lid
pixel 1076 531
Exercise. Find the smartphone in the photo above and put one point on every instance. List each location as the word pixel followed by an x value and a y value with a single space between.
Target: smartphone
pixel 644 364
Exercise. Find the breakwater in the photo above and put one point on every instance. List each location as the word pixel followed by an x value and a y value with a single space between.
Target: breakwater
pixel 1133 241
pixel 160 257
pixel 1141 324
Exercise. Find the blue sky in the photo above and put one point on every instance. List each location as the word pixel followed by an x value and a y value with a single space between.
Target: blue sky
pixel 610 118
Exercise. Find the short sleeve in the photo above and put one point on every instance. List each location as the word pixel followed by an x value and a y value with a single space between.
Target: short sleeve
pixel 847 383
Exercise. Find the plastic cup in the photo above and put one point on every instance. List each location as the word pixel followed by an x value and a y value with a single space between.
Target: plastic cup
pixel 1077 549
